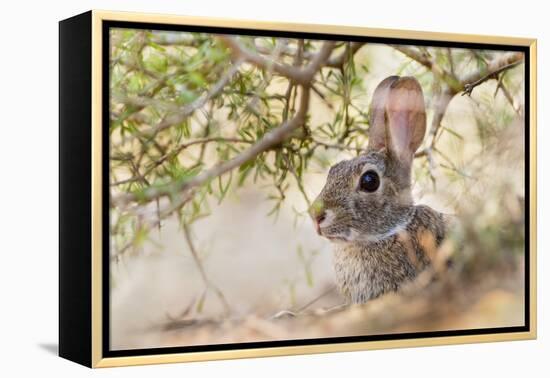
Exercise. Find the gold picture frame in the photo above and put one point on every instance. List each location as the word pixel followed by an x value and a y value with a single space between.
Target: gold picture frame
pixel 82 269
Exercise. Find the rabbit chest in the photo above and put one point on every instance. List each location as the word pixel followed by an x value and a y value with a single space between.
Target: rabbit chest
pixel 367 270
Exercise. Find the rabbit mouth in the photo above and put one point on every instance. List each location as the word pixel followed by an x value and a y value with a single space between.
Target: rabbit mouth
pixel 335 238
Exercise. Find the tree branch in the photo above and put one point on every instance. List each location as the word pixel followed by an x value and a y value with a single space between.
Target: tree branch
pixel 334 62
pixel 176 151
pixel 298 180
pixel 336 146
pixel 206 281
pixel 340 60
pixel 453 85
pixel 270 139
pixel 426 60
pixel 147 226
pixel 298 75
pixel 442 101
pixel 467 83
pixel 494 68
pixel 187 110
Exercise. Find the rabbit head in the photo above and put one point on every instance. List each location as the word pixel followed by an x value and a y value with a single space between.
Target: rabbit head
pixel 369 197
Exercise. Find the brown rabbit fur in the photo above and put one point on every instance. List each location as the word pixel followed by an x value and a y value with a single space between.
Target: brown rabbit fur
pixel 381 238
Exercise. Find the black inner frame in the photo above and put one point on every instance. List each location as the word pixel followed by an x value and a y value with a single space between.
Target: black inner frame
pixel 107 352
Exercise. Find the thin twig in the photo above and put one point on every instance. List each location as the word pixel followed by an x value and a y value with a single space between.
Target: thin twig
pixel 180 114
pixel 176 151
pixel 424 59
pixel 298 180
pixel 298 75
pixel 207 282
pixel 270 139
pixel 469 87
pixel 335 146
pixel 340 60
pixel 163 213
pixel 441 103
pixel 323 294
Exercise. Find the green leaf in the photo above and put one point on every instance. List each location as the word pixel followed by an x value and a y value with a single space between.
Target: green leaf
pixel 197 79
pixel 224 188
pixel 157 46
pixel 200 302
pixel 140 237
pixel 309 276
pixel 157 63
pixel 454 133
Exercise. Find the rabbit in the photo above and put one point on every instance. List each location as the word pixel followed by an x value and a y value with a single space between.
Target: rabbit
pixel 381 238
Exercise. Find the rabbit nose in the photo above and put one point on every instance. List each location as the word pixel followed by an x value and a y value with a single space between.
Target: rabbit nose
pixel 318 214
pixel 319 218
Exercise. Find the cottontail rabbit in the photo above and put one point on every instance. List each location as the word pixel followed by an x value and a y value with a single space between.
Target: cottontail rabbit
pixel 366 208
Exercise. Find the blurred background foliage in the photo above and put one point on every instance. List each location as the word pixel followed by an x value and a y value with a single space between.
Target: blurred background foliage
pixel 195 117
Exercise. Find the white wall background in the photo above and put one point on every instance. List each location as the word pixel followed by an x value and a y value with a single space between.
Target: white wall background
pixel 28 186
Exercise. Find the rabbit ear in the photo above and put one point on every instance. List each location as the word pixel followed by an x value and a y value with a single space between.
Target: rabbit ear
pixel 405 118
pixel 377 117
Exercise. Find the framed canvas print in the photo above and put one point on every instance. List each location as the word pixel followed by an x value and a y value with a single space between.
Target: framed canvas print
pixel 234 189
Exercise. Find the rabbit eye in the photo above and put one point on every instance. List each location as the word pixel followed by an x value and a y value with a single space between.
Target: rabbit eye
pixel 369 182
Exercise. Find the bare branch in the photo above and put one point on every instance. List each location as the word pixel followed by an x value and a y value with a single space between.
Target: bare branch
pixel 441 102
pixel 495 67
pixel 187 110
pixel 507 94
pixel 468 83
pixel 146 226
pixel 340 147
pixel 241 52
pixel 303 76
pixel 298 75
pixel 207 282
pixel 178 114
pixel 415 54
pixel 451 60
pixel 340 60
pixel 453 85
pixel 426 60
pixel 298 180
pixel 315 299
pixel 270 139
pixel 334 62
pixel 176 151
